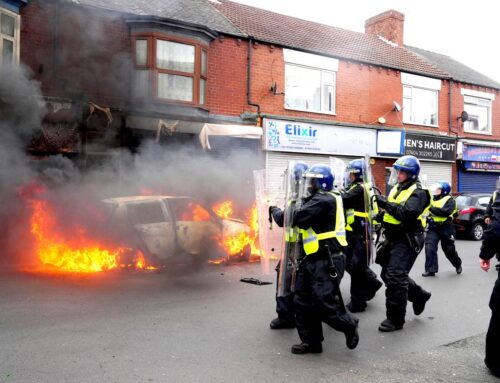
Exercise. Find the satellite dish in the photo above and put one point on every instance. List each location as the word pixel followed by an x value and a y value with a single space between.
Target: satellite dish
pixel 397 107
pixel 464 116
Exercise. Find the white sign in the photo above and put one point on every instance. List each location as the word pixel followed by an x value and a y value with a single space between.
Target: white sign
pixel 301 137
pixel 390 142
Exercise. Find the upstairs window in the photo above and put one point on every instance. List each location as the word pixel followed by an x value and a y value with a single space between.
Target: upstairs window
pixel 478 107
pixel 420 100
pixel 310 82
pixel 9 38
pixel 170 70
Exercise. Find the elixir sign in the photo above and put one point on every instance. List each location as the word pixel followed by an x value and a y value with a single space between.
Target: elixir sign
pixel 430 147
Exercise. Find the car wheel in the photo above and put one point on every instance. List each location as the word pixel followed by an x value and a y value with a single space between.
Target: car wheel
pixel 477 231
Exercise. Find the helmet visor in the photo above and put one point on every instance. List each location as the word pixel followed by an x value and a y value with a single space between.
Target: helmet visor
pixel 312 183
pixel 436 189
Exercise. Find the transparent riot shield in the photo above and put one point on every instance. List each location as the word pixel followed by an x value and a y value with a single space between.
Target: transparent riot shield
pixel 290 249
pixel 269 237
pixel 371 209
pixel 338 169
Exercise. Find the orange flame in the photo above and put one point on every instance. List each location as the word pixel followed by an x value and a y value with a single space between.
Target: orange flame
pixel 195 213
pixel 76 255
pixel 224 209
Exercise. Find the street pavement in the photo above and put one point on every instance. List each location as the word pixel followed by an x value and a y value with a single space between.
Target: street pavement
pixel 209 327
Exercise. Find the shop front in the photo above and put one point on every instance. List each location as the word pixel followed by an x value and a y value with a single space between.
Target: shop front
pixel 478 166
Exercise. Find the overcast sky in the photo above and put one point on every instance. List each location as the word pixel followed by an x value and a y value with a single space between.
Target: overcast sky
pixel 468 31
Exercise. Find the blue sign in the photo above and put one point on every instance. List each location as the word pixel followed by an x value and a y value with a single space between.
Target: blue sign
pixel 481 153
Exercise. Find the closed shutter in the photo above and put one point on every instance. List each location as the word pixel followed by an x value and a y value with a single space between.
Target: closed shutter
pixel 480 182
pixel 277 162
pixel 431 172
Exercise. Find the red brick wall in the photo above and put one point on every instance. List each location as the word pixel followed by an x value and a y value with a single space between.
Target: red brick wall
pixel 92 51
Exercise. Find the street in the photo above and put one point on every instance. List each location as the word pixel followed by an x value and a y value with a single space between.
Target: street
pixel 210 327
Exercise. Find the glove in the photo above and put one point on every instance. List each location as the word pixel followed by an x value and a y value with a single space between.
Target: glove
pixel 381 200
pixel 271 208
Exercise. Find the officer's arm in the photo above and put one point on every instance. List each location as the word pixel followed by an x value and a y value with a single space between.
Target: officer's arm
pixel 489 209
pixel 413 207
pixel 305 216
pixel 349 197
pixel 278 216
pixel 444 211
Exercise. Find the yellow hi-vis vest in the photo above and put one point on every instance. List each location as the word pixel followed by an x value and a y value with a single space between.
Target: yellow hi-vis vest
pixel 439 204
pixel 351 214
pixel 310 239
pixel 400 200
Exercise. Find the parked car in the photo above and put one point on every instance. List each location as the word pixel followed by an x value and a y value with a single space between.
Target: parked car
pixel 168 228
pixel 470 219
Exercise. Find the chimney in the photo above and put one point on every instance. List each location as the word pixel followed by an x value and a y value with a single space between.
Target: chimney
pixel 389 25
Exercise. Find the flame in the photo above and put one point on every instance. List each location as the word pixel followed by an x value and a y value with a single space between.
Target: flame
pixel 78 254
pixel 195 213
pixel 224 209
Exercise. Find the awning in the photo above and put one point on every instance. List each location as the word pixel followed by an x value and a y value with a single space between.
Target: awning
pixel 165 126
pixel 237 131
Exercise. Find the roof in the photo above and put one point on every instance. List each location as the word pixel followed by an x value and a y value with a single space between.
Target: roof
pixel 189 11
pixel 458 71
pixel 140 198
pixel 324 39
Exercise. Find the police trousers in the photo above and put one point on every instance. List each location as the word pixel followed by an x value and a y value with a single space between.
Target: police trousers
pixel 400 288
pixel 317 298
pixel 443 233
pixel 492 358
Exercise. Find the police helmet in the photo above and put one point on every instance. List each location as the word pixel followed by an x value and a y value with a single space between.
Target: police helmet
pixel 320 177
pixel 356 167
pixel 408 164
pixel 299 168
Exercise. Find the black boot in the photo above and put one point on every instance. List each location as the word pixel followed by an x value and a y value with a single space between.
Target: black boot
pixel 352 338
pixel 388 326
pixel 374 288
pixel 459 269
pixel 356 307
pixel 419 304
pixel 306 348
pixel 280 323
pixel 428 274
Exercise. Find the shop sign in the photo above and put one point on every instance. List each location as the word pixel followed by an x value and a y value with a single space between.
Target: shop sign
pixel 486 166
pixel 426 147
pixel 301 137
pixel 481 153
pixel 390 142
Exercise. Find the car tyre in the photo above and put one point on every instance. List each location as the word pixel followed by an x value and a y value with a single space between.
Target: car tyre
pixel 477 231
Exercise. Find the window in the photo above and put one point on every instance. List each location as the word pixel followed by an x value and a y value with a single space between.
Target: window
pixel 310 82
pixel 420 99
pixel 9 38
pixel 177 70
pixel 146 213
pixel 420 106
pixel 478 107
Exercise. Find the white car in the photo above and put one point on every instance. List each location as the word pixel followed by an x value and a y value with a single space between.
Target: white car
pixel 168 228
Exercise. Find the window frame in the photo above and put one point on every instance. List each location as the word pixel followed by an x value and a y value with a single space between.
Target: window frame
pixel 15 40
pixel 321 70
pixel 435 91
pixel 489 132
pixel 154 71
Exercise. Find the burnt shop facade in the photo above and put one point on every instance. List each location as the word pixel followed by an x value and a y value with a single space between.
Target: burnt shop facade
pixel 478 166
pixel 286 140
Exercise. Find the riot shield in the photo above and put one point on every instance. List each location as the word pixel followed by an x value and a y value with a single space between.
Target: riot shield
pixel 338 169
pixel 371 209
pixel 290 248
pixel 269 240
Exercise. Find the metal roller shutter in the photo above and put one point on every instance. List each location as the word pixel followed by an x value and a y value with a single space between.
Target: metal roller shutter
pixel 435 171
pixel 482 182
pixel 276 163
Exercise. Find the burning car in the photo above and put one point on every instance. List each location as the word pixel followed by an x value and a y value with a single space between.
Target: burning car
pixel 168 228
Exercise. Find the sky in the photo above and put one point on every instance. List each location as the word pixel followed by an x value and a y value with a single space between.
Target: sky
pixel 467 31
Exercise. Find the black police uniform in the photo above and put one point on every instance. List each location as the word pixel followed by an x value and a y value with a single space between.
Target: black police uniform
pixel 404 242
pixel 489 248
pixel 317 295
pixel 443 232
pixel 284 304
pixel 364 282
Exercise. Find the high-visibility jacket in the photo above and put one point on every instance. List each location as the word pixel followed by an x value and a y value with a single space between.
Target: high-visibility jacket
pixel 439 204
pixel 351 214
pixel 403 196
pixel 310 239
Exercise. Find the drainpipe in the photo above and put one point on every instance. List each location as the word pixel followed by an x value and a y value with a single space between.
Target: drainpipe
pixel 249 78
pixel 55 40
pixel 449 106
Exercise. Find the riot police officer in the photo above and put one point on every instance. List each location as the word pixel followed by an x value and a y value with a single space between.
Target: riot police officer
pixel 364 282
pixel 284 303
pixel 321 266
pixel 440 228
pixel 404 239
pixel 489 248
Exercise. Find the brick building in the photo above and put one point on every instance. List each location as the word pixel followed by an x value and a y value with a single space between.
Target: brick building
pixel 282 87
